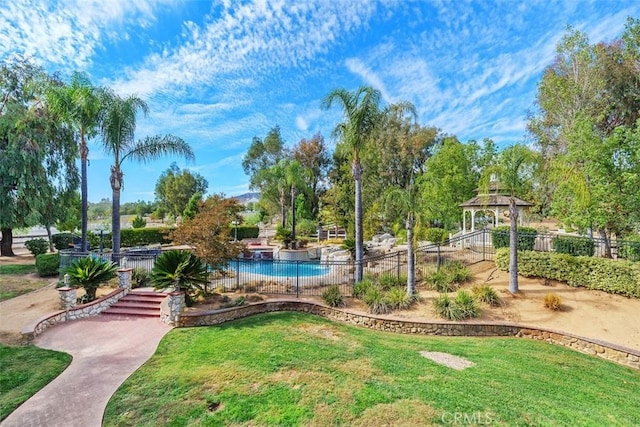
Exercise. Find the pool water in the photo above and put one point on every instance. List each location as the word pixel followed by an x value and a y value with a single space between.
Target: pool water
pixel 283 269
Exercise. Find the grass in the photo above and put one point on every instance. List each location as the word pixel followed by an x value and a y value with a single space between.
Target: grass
pixel 25 370
pixel 17 269
pixel 297 369
pixel 15 284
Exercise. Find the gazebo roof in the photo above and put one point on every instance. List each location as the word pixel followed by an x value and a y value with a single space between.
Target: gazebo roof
pixel 492 200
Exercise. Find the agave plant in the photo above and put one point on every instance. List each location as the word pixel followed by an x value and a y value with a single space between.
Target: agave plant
pixel 180 270
pixel 89 273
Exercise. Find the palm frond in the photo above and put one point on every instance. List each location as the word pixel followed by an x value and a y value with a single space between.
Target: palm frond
pixel 154 147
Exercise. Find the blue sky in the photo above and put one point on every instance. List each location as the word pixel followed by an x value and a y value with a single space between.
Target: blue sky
pixel 218 73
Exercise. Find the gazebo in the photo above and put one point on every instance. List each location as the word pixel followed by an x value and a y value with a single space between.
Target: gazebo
pixel 494 202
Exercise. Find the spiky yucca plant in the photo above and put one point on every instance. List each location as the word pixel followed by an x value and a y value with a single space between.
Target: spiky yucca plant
pixel 89 273
pixel 180 270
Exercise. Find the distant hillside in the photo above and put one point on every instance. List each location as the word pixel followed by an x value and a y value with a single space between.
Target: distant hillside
pixel 247 198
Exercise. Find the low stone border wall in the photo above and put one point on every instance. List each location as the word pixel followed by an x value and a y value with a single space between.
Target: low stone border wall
pixel 90 309
pixel 618 354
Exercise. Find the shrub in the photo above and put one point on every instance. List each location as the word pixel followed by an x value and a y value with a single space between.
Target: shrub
pixel 486 294
pixel 388 281
pixel 140 278
pixel 603 274
pixel 436 235
pixel 361 288
pixel 376 301
pixel 457 272
pixel 332 297
pixel 552 302
pixel 227 302
pixel 138 222
pixel 284 235
pixel 306 227
pixel 37 246
pixel 47 264
pixel 94 239
pixel 131 237
pixel 89 273
pixel 446 308
pixel 440 281
pixel 629 248
pixel 578 246
pixel 397 298
pixel 466 304
pixel 61 241
pixel 248 232
pixel 526 237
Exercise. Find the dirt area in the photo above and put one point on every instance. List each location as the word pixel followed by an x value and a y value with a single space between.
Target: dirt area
pixel 592 314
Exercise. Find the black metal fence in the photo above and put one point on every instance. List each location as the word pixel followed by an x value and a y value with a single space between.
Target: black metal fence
pixel 300 278
pixel 131 258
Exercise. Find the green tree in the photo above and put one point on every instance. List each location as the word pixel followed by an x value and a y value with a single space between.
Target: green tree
pixel 37 152
pixel 263 154
pixel 313 156
pixel 191 209
pixel 78 105
pixel 361 113
pixel 175 187
pixel 118 125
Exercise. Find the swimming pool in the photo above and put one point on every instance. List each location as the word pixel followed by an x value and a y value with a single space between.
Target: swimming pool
pixel 283 269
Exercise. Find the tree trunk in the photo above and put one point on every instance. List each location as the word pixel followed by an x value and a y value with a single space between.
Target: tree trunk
pixel 283 208
pixel 116 185
pixel 513 246
pixel 84 153
pixel 411 265
pixel 606 238
pixel 293 217
pixel 7 242
pixel 357 176
pixel 48 227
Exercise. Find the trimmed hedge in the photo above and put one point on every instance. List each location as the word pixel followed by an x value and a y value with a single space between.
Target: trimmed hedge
pixel 526 237
pixel 602 274
pixel 61 241
pixel 436 235
pixel 47 264
pixel 577 246
pixel 629 248
pixel 247 232
pixel 37 246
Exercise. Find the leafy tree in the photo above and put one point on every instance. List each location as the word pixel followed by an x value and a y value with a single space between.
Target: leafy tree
pixel 182 271
pixel 78 105
pixel 263 154
pixel 37 152
pixel 191 209
pixel 449 179
pixel 514 170
pixel 138 222
pixel 175 187
pixel 118 125
pixel 361 110
pixel 89 273
pixel 313 156
pixel 209 233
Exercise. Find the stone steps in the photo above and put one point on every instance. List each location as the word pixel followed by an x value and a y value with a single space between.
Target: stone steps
pixel 138 303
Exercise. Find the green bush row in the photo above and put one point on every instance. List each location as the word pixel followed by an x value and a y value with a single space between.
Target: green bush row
pixel 128 238
pixel 47 264
pixel 603 274
pixel 526 237
pixel 247 232
pixel 578 246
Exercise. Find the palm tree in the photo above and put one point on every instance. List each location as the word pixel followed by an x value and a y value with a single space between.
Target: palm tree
pixel 181 270
pixel 78 104
pixel 361 115
pixel 513 163
pixel 89 273
pixel 118 125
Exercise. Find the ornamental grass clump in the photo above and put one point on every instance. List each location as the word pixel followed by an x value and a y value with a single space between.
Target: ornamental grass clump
pixel 446 308
pixel 552 302
pixel 361 288
pixel 486 294
pixel 467 304
pixel 332 297
pixel 376 301
pixel 398 299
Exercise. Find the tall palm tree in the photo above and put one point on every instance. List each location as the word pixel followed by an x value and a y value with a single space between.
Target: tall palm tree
pixel 118 125
pixel 78 104
pixel 511 170
pixel 361 115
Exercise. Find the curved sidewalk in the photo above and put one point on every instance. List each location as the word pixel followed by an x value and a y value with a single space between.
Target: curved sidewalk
pixel 106 350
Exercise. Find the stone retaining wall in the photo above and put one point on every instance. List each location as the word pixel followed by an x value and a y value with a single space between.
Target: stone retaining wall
pixel 90 309
pixel 618 354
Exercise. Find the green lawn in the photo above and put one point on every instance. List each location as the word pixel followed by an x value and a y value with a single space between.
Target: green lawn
pixel 296 369
pixel 17 269
pixel 25 370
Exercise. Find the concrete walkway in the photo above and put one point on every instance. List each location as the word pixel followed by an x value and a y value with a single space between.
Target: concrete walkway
pixel 106 350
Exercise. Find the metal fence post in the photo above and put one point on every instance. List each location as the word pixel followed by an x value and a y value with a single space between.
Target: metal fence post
pixel 297 279
pixel 398 265
pixel 438 260
pixel 484 244
pixel 237 273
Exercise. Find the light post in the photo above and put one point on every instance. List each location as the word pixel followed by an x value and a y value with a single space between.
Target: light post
pixel 235 232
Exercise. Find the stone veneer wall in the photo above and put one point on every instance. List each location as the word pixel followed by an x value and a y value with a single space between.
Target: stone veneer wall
pixel 618 354
pixel 92 308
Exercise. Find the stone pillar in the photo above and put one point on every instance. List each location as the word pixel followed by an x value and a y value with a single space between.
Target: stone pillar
pixel 124 278
pixel 176 303
pixel 67 297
